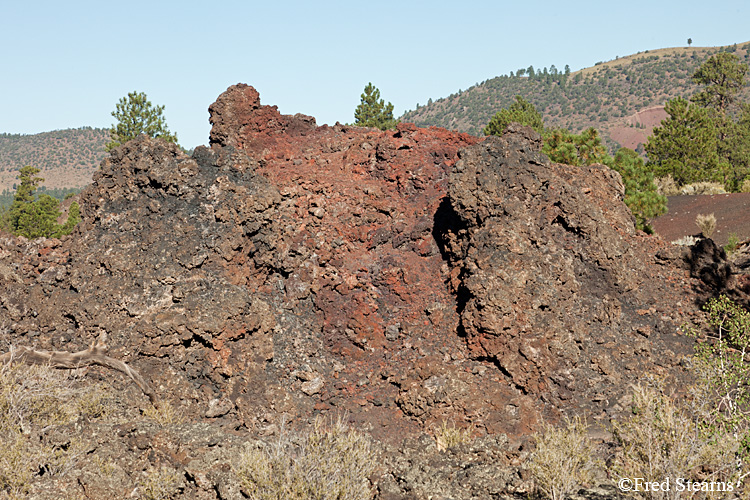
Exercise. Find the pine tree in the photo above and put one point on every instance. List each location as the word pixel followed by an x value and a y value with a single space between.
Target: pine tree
pixel 641 195
pixel 373 112
pixel 521 111
pixel 25 194
pixel 582 149
pixel 36 217
pixel 136 115
pixel 724 76
pixel 685 145
pixel 702 141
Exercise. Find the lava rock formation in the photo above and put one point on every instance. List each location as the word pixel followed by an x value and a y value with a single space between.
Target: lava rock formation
pixel 401 278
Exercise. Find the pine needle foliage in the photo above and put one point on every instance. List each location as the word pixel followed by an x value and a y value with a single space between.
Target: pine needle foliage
pixel 373 111
pixel 136 115
pixel 521 111
pixel 35 216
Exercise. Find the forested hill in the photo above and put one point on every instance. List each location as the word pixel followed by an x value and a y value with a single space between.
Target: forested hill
pixel 622 98
pixel 66 158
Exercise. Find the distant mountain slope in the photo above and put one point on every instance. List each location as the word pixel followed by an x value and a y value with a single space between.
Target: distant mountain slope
pixel 67 158
pixel 622 98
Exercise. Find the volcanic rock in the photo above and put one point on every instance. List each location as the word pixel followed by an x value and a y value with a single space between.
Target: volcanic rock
pixel 553 280
pixel 400 278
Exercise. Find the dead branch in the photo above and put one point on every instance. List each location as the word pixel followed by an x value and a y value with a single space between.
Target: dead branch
pixel 94 355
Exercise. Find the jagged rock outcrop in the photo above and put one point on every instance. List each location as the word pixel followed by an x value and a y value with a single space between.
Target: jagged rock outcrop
pixel 402 278
pixel 556 286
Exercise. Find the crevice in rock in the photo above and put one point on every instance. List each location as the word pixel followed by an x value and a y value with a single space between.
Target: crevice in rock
pixel 195 338
pixel 445 229
pixel 503 370
pixel 561 221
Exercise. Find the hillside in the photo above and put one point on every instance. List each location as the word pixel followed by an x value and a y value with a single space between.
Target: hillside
pixel 622 98
pixel 67 158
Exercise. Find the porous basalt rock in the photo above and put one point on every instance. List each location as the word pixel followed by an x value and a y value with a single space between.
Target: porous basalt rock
pixel 556 286
pixel 402 278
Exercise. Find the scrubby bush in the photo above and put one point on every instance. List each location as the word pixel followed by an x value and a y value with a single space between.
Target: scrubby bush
pixel 329 462
pixel 706 438
pixel 34 400
pixel 722 366
pixel 666 186
pixel 658 441
pixel 706 223
pixel 160 484
pixel 563 459
pixel 703 188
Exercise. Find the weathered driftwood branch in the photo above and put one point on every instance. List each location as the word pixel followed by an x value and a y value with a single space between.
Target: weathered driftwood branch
pixel 94 355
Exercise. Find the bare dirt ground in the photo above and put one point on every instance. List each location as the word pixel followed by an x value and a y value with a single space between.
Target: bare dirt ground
pixel 732 212
pixel 637 127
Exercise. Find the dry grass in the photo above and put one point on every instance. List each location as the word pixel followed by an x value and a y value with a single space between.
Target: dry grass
pixel 449 436
pixel 658 441
pixel 33 400
pixel 161 484
pixel 164 414
pixel 666 186
pixel 563 459
pixel 326 463
pixel 706 223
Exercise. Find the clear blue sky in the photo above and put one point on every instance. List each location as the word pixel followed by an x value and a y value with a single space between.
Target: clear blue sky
pixel 66 64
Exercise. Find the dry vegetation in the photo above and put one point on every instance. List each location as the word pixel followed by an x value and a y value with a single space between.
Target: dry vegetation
pixel 328 462
pixel 706 223
pixel 449 436
pixel 34 400
pixel 564 459
pixel 702 439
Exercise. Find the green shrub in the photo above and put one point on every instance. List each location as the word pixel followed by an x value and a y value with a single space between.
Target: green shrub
pixel 563 459
pixel 732 243
pixel 326 463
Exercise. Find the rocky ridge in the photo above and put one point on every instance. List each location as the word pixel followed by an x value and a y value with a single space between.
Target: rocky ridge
pixel 401 278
